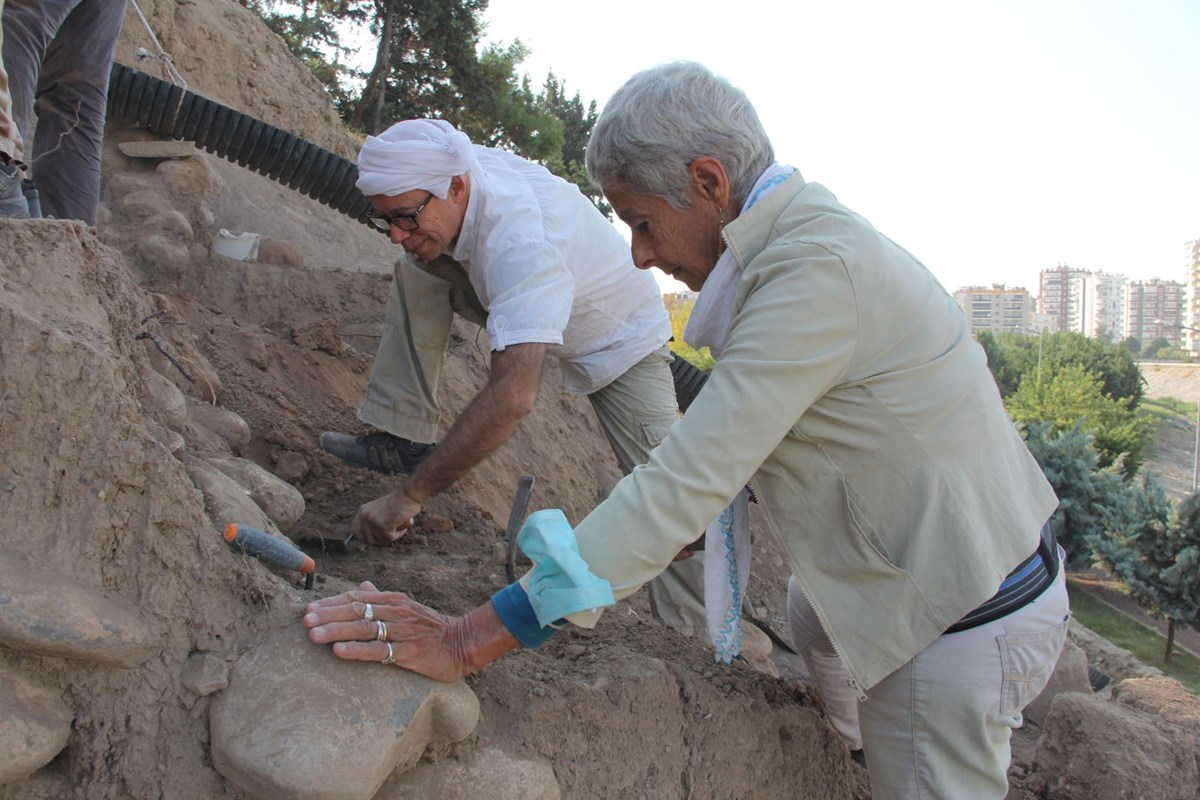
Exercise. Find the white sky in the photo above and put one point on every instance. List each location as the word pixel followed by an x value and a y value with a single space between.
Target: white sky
pixel 991 138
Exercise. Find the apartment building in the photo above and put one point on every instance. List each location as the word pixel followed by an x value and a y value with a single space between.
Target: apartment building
pixel 1191 258
pixel 1156 309
pixel 998 309
pixel 1103 307
pixel 1061 296
pixel 1090 302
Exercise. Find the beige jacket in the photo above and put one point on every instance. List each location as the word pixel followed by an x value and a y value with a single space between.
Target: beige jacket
pixel 853 395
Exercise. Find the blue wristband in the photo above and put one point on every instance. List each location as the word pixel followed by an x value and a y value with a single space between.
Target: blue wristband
pixel 515 611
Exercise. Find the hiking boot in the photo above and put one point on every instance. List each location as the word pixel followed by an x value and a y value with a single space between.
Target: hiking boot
pixel 381 452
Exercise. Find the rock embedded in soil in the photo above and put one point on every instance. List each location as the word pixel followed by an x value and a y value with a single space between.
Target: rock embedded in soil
pixel 50 614
pixel 34 725
pixel 323 334
pixel 157 149
pixel 205 673
pixel 230 427
pixel 226 500
pixel 279 500
pixel 1094 749
pixel 489 773
pixel 296 721
pixel 290 466
pixel 163 400
pixel 1165 697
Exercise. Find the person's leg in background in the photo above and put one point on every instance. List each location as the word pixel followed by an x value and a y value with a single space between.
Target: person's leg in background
pixel 12 199
pixel 636 412
pixel 59 54
pixel 401 397
pixel 825 666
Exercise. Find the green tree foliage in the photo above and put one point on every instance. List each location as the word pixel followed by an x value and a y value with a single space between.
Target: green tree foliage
pixel 1156 347
pixel 1133 345
pixel 679 309
pixel 497 110
pixel 1087 493
pixel 429 63
pixel 1182 578
pixel 1012 356
pixel 577 123
pixel 1154 550
pixel 1072 397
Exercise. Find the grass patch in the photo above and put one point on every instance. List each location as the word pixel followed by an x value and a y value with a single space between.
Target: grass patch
pixel 1146 644
pixel 1167 408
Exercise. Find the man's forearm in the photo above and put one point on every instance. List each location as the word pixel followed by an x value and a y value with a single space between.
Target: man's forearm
pixel 485 425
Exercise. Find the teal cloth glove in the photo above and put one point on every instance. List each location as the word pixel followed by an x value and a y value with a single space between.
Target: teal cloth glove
pixel 560 582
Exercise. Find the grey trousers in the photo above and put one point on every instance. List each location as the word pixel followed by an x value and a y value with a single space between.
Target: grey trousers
pixel 12 199
pixel 636 410
pixel 58 54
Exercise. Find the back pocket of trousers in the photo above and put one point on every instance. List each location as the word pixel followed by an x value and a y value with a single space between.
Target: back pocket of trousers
pixel 1027 661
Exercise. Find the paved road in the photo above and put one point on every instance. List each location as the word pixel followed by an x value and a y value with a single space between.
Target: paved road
pixel 1102 586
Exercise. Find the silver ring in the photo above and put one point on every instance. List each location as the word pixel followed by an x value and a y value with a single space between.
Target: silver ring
pixel 369 613
pixel 380 631
pixel 389 659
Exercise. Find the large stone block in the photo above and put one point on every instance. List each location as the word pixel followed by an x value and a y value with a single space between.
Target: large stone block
pixel 226 500
pixel 34 725
pixel 279 500
pixel 1092 749
pixel 227 425
pixel 489 773
pixel 163 400
pixel 45 612
pixel 296 721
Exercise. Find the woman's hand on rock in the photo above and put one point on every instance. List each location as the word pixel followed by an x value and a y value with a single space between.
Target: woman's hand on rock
pixel 421 639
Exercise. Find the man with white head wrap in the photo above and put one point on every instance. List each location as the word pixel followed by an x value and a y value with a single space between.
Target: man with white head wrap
pixel 514 249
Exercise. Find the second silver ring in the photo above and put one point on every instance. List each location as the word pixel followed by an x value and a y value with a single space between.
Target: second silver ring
pixel 380 631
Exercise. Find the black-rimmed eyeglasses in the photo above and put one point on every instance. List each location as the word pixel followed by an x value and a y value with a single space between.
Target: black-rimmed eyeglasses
pixel 405 220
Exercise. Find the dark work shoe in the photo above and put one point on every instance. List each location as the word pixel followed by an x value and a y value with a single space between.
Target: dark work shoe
pixel 381 452
pixel 858 757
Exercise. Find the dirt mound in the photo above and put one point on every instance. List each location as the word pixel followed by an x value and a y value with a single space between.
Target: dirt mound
pixel 101 502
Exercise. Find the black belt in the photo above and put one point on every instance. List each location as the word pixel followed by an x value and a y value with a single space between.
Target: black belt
pixel 1022 586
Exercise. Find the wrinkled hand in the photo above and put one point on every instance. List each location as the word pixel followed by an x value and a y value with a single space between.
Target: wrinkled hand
pixel 386 519
pixel 422 640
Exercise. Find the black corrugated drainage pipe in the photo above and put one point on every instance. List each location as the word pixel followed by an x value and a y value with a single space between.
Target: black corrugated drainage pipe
pixel 174 113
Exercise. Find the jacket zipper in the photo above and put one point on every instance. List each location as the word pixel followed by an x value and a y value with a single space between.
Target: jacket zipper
pixel 853 682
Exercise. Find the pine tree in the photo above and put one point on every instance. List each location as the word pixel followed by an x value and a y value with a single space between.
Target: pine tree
pixel 1086 492
pixel 1153 548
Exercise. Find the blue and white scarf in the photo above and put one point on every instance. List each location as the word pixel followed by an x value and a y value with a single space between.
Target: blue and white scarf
pixel 727 538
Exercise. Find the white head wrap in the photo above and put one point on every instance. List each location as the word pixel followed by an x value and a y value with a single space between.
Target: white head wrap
pixel 414 154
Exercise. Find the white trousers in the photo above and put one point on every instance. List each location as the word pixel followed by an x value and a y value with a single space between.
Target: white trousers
pixel 939 727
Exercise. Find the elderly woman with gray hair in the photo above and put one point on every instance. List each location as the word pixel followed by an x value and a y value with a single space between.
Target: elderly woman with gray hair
pixel 927 595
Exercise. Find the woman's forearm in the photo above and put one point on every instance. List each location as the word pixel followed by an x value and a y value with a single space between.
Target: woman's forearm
pixel 483 638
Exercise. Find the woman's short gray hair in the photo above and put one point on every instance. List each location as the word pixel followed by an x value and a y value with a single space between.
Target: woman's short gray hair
pixel 665 117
